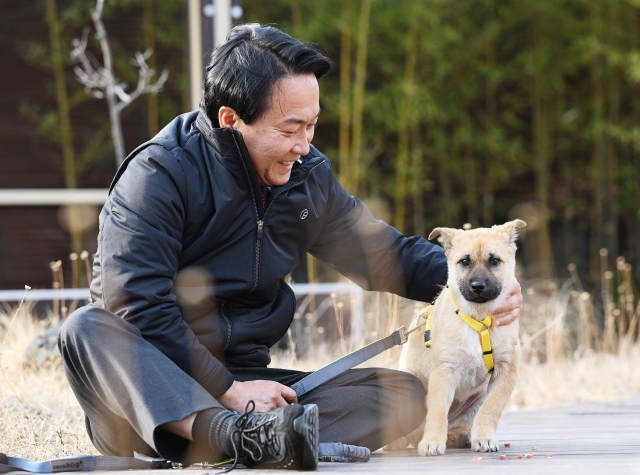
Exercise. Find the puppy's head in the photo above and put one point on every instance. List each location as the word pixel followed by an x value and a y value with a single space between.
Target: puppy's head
pixel 481 261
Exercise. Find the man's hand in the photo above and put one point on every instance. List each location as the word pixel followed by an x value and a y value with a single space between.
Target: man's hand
pixel 510 309
pixel 267 395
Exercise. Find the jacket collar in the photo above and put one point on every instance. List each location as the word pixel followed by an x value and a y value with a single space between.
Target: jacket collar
pixel 230 145
pixel 220 138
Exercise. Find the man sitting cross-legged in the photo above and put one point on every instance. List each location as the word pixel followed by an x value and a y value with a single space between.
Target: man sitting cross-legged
pixel 236 194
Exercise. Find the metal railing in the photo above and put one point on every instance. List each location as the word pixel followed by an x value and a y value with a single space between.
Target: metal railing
pixel 53 196
pixel 341 288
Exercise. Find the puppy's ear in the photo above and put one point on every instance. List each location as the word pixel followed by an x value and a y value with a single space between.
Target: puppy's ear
pixel 446 237
pixel 511 230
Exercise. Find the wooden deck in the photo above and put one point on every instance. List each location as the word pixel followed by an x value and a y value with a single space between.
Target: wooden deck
pixel 597 438
pixel 586 439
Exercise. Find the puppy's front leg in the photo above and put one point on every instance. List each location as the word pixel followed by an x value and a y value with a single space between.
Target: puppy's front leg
pixel 440 394
pixel 500 388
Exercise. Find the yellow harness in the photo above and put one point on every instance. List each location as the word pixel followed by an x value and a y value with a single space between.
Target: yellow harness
pixel 481 327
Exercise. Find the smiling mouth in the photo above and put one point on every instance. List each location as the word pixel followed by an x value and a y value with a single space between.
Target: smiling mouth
pixel 287 164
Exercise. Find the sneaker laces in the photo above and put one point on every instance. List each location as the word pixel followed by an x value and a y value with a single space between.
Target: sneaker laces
pixel 254 436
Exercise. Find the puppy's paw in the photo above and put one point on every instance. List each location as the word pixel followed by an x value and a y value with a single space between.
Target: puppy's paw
pixel 398 444
pixel 426 449
pixel 484 444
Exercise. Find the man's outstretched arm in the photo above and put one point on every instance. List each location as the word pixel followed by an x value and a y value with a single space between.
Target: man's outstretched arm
pixel 378 257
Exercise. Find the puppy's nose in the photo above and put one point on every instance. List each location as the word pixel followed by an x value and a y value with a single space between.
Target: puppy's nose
pixel 478 286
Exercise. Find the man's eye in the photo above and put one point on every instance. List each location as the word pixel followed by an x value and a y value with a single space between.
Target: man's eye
pixel 465 262
pixel 494 261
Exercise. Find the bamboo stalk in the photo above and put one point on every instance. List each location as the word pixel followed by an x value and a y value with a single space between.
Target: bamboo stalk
pixel 64 116
pixel 404 124
pixel 465 133
pixel 360 77
pixel 58 64
pixel 542 147
pixel 444 177
pixel 598 160
pixel 296 18
pixel 148 20
pixel 418 188
pixel 491 98
pixel 345 174
pixel 613 103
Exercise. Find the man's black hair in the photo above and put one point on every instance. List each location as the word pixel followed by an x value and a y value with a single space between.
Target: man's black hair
pixel 244 69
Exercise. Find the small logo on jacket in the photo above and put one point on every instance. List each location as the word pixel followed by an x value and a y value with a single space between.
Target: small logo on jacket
pixel 304 213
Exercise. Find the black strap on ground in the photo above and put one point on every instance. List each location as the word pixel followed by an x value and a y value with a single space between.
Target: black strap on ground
pixel 83 463
pixel 141 462
pixel 354 358
pixel 88 463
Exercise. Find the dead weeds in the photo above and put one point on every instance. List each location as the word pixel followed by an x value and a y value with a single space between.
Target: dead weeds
pixel 574 350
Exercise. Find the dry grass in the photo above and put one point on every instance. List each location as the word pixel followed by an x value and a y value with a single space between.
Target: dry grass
pixel 39 415
pixel 576 347
pixel 567 356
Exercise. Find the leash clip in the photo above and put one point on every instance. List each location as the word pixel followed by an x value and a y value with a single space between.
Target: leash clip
pixel 404 335
pixel 203 465
pixel 157 462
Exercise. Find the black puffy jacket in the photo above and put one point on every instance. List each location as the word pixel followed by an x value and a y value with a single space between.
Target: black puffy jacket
pixel 190 198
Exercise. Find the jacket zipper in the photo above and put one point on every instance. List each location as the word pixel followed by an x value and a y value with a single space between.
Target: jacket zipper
pixel 261 224
pixel 258 242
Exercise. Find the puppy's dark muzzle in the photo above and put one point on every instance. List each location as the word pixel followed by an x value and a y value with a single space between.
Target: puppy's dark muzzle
pixel 480 291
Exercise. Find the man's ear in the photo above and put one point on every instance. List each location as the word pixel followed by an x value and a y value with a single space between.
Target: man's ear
pixel 446 237
pixel 511 230
pixel 227 117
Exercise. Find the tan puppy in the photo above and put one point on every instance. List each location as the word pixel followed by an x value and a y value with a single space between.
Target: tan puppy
pixel 463 398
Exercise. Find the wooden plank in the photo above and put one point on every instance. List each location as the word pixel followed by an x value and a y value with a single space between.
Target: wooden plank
pixel 589 439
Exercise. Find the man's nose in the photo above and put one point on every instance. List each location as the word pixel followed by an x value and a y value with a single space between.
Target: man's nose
pixel 302 147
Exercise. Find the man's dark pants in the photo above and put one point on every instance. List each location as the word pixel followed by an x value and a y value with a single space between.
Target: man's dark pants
pixel 127 388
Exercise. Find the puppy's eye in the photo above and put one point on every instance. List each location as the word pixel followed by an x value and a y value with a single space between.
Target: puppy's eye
pixel 494 261
pixel 465 262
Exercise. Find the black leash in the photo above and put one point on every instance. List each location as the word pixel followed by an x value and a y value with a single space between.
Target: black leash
pixel 355 358
pixel 84 463
pixel 141 462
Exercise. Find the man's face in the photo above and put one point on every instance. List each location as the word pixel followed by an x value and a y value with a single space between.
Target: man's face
pixel 283 134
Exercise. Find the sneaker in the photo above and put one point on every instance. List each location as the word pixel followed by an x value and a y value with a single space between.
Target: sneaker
pixel 286 437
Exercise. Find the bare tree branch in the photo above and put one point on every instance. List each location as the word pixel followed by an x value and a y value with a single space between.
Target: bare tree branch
pixel 101 82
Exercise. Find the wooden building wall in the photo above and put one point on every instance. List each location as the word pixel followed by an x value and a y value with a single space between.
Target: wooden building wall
pixel 32 237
